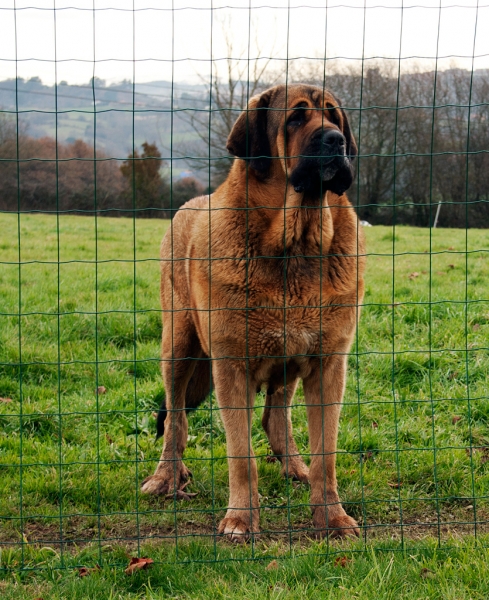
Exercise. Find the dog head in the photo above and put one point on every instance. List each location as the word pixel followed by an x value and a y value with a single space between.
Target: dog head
pixel 302 127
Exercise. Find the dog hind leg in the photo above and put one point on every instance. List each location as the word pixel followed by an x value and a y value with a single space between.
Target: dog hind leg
pixel 198 389
pixel 277 424
pixel 180 346
pixel 324 393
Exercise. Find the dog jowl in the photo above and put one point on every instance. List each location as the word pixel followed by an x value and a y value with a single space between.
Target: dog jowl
pixel 261 287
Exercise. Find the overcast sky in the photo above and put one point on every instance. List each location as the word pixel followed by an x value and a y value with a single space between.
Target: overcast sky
pixel 105 41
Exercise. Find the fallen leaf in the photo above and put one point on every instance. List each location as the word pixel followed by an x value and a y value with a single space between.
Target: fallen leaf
pixel 154 415
pixel 476 326
pixel 455 419
pixel 453 375
pixel 366 456
pixel 101 389
pixel 137 564
pixel 414 275
pixel 84 571
pixel 342 561
pixel 109 439
pixel 451 248
pixel 483 452
pixel 374 424
pixel 395 484
pixel 272 566
pixel 180 494
pixel 427 574
pixel 440 273
pixel 6 400
pixel 424 272
pixel 451 266
pixel 269 458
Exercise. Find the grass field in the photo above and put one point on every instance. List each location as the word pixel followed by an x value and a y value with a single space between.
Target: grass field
pixel 413 463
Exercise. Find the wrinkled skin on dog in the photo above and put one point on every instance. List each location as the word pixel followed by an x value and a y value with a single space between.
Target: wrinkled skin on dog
pixel 262 283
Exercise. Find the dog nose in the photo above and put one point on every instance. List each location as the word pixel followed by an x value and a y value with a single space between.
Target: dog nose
pixel 333 142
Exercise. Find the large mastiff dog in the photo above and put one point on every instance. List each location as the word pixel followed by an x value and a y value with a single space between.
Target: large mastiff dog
pixel 265 279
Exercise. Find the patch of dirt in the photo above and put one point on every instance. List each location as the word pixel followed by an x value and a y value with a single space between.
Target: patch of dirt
pixel 127 532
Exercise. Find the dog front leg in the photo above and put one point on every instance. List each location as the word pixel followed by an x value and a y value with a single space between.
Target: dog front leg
pixel 324 393
pixel 235 399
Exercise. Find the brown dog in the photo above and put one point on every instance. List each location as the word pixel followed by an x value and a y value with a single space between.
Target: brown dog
pixel 265 278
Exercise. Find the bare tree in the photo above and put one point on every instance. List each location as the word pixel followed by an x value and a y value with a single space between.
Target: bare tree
pixel 234 81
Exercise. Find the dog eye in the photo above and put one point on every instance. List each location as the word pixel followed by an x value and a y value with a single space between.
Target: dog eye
pixel 333 114
pixel 298 116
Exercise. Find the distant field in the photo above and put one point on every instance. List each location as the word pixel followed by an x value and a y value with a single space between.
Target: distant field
pixel 414 438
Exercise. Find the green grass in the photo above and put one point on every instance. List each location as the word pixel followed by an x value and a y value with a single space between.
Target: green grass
pixel 413 463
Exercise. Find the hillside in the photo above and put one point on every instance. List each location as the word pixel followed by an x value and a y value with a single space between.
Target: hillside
pixel 123 116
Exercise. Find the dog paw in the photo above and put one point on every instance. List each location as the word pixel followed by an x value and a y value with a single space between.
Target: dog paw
pixel 298 471
pixel 293 467
pixel 340 527
pixel 168 482
pixel 155 485
pixel 236 529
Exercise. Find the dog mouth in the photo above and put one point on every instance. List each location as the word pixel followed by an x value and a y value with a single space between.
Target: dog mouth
pixel 316 171
pixel 323 161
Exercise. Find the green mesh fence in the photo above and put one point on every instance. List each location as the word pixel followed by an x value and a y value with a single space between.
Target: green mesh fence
pixel 115 115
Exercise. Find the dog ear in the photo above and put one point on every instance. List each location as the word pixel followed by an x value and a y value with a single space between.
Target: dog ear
pixel 248 138
pixel 344 177
pixel 351 145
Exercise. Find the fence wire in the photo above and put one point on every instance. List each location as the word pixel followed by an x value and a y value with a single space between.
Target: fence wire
pixel 112 117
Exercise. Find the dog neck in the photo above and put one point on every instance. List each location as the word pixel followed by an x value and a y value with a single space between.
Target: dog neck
pixel 290 222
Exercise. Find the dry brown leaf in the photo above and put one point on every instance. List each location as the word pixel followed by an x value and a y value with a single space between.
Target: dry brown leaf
pixel 451 248
pixel 181 494
pixel 342 561
pixel 440 273
pixel 109 439
pixel 84 571
pixel 482 451
pixel 455 419
pixel 394 484
pixel 6 400
pixel 269 458
pixel 414 275
pixel 154 415
pixel 451 266
pixel 374 425
pixel 137 564
pixel 366 456
pixel 101 389
pixel 427 574
pixel 476 326
pixel 272 566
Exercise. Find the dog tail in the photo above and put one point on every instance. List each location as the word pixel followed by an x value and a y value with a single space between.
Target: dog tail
pixel 199 388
